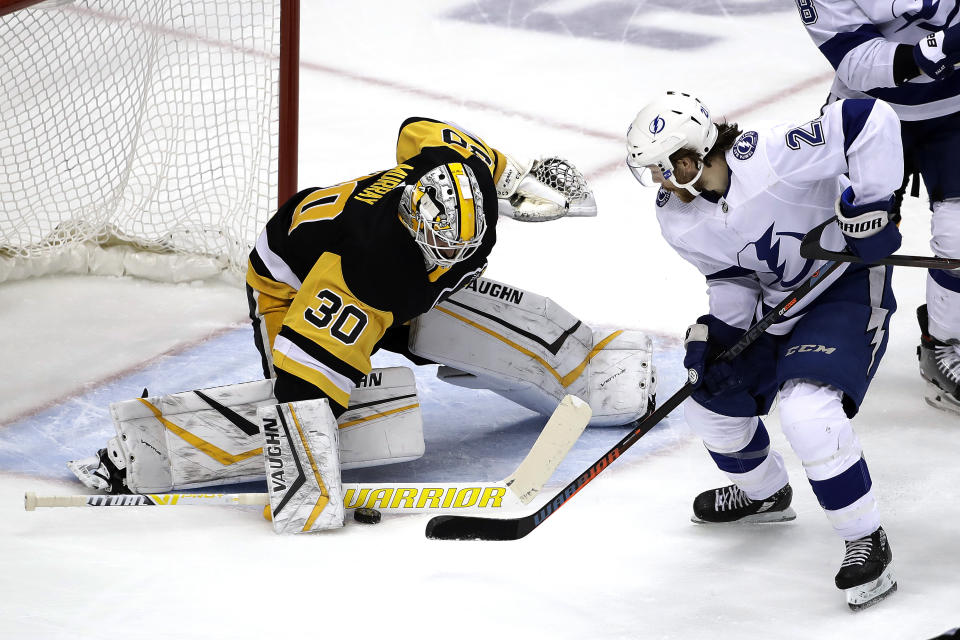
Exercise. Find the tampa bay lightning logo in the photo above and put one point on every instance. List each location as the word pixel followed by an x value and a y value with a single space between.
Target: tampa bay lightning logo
pixel 745 145
pixel 766 251
pixel 663 196
pixel 657 125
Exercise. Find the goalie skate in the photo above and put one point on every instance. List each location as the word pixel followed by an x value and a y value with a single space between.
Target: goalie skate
pixel 730 504
pixel 866 574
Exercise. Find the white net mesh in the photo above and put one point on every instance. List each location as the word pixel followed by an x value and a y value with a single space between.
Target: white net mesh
pixel 152 123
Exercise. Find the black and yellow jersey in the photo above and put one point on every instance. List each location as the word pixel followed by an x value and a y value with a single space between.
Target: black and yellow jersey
pixel 339 267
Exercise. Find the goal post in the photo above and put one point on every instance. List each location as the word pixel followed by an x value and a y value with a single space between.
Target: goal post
pixel 144 138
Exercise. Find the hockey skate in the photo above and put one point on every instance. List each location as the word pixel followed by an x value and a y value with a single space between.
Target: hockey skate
pixel 866 573
pixel 940 367
pixel 731 504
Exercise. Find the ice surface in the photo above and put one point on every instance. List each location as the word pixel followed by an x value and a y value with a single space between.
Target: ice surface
pixel 621 559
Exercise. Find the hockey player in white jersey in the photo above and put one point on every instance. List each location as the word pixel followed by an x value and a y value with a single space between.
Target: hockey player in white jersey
pixel 904 52
pixel 736 204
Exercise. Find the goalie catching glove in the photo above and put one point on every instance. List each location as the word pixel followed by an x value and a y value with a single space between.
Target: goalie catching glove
pixel 542 190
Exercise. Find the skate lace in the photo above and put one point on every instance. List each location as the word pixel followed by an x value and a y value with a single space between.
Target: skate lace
pixel 731 498
pixel 948 361
pixel 857 552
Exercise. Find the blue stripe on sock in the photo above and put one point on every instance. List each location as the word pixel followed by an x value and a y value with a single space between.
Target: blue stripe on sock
pixel 844 489
pixel 945 279
pixel 748 458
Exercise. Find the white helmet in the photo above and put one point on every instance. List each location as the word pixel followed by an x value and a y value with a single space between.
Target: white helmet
pixel 672 122
pixel 444 214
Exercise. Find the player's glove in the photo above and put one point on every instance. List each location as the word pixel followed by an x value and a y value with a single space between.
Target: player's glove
pixel 703 342
pixel 936 54
pixel 866 227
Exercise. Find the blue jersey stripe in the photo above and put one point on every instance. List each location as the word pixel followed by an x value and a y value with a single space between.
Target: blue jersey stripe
pixel 837 47
pixel 855 114
pixel 732 272
pixel 915 93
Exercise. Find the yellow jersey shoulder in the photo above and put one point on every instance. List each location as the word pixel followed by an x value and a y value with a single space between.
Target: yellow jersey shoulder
pixel 418 134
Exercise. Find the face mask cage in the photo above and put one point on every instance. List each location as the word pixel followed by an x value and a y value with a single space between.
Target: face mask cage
pixel 434 223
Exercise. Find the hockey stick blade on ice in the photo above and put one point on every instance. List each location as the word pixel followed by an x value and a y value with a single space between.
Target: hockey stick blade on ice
pixel 455 527
pixel 562 430
pixel 811 248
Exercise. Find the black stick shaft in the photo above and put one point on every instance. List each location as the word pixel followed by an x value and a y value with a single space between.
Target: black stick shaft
pixel 811 248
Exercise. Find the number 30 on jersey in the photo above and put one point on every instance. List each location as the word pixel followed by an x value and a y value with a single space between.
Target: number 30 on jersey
pixel 344 322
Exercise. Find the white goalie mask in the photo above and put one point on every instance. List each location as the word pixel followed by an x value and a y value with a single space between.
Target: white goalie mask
pixel 670 123
pixel 443 212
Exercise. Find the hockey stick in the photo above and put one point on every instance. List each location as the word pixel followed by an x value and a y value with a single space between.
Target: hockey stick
pixel 516 490
pixel 453 527
pixel 811 248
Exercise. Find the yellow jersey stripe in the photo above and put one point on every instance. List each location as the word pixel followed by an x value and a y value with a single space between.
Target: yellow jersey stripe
pixel 270 287
pixel 314 377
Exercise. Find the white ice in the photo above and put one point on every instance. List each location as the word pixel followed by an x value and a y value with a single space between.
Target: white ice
pixel 621 559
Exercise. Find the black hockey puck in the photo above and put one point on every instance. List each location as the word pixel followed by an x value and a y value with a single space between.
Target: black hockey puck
pixel 366 516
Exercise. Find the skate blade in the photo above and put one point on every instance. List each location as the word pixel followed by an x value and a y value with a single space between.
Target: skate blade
pixel 870 593
pixel 939 399
pixel 758 518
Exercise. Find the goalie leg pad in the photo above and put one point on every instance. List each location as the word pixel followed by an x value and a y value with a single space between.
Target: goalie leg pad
pixel 383 423
pixel 192 439
pixel 212 437
pixel 301 457
pixel 530 350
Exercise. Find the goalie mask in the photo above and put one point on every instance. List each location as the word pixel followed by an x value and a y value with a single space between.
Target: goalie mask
pixel 668 124
pixel 444 214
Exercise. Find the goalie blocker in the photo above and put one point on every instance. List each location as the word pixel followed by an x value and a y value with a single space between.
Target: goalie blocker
pixel 528 349
pixel 213 437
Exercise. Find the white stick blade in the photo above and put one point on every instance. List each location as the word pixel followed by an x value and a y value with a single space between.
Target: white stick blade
pixel 563 428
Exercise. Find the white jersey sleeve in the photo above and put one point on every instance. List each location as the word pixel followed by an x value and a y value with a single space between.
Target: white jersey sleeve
pixel 733 299
pixel 860 39
pixel 858 137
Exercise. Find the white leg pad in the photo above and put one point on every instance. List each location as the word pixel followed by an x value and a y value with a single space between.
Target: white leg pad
pixel 195 438
pixel 301 457
pixel 383 423
pixel 184 441
pixel 530 350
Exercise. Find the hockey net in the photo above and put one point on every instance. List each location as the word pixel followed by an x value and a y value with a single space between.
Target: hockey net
pixel 151 138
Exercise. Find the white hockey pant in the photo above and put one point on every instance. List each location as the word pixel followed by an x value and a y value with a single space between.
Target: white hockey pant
pixel 819 431
pixel 943 289
pixel 530 350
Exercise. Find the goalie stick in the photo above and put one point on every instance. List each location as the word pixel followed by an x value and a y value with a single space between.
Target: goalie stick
pixel 455 527
pixel 563 428
pixel 811 248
